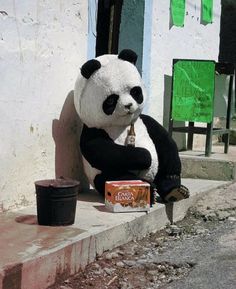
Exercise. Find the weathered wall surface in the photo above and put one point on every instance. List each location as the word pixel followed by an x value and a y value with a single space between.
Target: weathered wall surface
pixel 42 44
pixel 194 40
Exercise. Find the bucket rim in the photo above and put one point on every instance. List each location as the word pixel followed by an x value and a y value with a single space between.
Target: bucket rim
pixel 57 183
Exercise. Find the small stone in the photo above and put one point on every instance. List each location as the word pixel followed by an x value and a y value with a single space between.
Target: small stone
pixel 120 264
pixel 201 231
pixel 232 219
pixel 96 266
pixel 161 268
pixel 109 271
pixel 108 256
pixel 174 230
pixel 98 272
pixel 142 279
pixel 223 215
pixel 129 263
pixel 114 255
pixel 181 270
pixel 157 244
pixel 64 287
pixel 152 272
pixel 152 279
pixel 210 217
pixel 141 262
pixel 119 252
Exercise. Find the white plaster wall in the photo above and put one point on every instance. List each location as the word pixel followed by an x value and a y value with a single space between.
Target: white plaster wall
pixel 194 40
pixel 42 45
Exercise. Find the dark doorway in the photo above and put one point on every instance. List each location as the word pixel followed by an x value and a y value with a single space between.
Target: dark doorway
pixel 108 26
pixel 228 33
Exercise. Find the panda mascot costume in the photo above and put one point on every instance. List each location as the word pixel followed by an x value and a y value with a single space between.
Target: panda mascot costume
pixel 109 96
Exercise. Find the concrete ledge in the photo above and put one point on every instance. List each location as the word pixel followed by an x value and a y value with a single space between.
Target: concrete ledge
pixel 34 256
pixel 218 166
pixel 210 169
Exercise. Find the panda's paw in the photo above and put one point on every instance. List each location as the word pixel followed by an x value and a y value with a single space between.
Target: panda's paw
pixel 177 194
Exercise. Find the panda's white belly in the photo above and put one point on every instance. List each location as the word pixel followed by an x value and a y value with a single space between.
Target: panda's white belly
pixel 142 140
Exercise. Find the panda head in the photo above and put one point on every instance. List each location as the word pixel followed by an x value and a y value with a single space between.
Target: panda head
pixel 109 91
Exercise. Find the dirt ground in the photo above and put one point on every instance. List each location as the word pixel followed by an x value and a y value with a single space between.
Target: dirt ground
pixel 140 264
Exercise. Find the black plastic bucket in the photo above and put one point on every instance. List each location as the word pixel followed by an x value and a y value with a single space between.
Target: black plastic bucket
pixel 56 201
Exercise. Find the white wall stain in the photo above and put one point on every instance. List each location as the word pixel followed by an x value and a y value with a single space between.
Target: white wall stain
pixel 18 31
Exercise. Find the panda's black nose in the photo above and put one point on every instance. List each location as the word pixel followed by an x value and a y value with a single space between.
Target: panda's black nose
pixel 128 106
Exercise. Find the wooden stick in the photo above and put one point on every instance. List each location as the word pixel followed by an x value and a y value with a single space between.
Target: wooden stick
pixel 112 280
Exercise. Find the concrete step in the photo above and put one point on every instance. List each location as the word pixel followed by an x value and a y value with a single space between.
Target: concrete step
pixel 33 256
pixel 218 166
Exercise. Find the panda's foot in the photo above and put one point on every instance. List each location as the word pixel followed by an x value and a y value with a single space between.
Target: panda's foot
pixel 177 194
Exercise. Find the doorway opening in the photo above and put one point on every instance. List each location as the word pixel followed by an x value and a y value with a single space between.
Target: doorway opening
pixel 228 37
pixel 108 26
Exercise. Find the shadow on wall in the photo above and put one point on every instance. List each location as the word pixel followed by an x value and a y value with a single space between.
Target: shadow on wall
pixel 66 134
pixel 179 138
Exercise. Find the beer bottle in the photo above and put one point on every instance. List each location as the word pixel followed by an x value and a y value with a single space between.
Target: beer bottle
pixel 130 141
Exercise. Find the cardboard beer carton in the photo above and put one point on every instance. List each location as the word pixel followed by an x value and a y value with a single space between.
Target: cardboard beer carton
pixel 127 196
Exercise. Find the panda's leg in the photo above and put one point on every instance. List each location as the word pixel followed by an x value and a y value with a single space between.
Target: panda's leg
pixel 168 180
pixel 101 179
pixel 170 189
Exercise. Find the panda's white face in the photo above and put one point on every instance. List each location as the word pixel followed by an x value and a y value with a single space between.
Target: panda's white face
pixel 113 95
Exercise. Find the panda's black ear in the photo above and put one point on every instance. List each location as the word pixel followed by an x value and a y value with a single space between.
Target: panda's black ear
pixel 128 55
pixel 90 67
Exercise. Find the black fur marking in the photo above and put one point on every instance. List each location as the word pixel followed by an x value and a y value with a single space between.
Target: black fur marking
pixel 128 55
pixel 136 93
pixel 90 67
pixel 168 156
pixel 104 154
pixel 109 104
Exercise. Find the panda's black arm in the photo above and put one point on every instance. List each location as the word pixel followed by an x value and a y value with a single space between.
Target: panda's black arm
pixel 167 151
pixel 102 153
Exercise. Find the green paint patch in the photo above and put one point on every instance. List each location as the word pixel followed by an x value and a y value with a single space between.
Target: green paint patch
pixel 193 91
pixel 207 11
pixel 178 12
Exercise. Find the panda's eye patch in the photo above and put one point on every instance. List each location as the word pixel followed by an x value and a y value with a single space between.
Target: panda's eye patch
pixel 109 104
pixel 137 94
